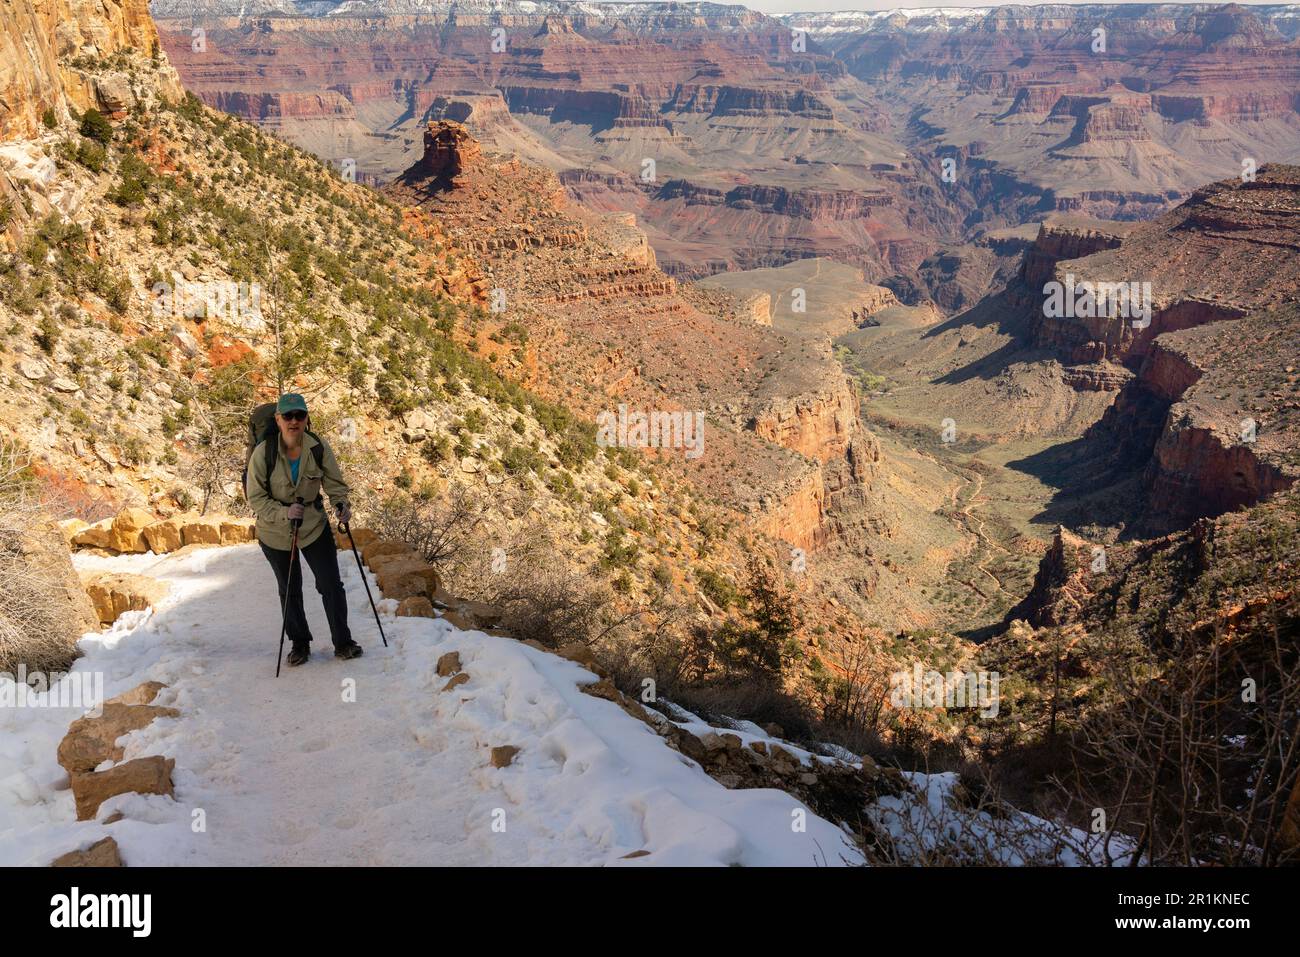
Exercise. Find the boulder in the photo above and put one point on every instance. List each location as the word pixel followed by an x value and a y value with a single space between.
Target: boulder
pixel 408 586
pixel 32 369
pixel 383 546
pixel 151 775
pixel 712 742
pixel 143 693
pixel 92 740
pixel 201 531
pixel 113 92
pixel 125 532
pixel 399 568
pixel 362 536
pixel 72 527
pixel 417 606
pixel 112 593
pixel 164 536
pixel 103 853
pixel 449 664
pixel 502 756
pixel 583 655
pixel 476 615
pixel 94 536
pixel 459 621
pixel 237 531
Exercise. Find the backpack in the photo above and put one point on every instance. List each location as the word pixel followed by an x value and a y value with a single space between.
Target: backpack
pixel 262 428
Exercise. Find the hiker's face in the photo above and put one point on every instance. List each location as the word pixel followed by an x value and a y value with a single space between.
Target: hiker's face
pixel 291 429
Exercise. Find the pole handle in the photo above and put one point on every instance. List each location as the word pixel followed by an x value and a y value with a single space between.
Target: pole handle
pixel 297 522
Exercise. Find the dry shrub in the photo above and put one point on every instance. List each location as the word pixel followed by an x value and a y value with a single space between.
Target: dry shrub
pixel 1196 748
pixel 34 626
pixel 442 530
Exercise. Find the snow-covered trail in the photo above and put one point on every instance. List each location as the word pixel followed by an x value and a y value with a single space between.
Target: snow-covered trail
pixel 366 761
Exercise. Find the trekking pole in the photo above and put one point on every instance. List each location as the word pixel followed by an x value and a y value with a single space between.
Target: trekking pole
pixel 347 531
pixel 288 588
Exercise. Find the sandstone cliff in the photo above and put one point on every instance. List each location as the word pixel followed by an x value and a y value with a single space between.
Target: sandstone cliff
pixel 45 46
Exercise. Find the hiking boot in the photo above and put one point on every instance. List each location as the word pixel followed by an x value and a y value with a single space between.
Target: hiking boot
pixel 350 650
pixel 300 652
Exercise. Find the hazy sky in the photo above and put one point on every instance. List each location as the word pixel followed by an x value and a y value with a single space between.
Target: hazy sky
pixel 792 6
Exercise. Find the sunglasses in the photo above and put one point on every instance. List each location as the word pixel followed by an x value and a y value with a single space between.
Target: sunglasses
pixel 296 416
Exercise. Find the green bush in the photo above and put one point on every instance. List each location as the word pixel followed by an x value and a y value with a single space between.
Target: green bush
pixel 47 333
pixel 96 126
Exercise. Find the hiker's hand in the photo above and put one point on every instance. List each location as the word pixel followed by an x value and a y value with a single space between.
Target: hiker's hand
pixel 295 511
pixel 345 513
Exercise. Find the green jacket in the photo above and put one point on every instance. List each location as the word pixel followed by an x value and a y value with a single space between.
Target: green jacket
pixel 273 527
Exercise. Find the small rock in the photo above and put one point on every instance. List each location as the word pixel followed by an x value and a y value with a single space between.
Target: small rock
pixel 112 593
pixel 456 682
pixel 712 742
pixel 151 775
pixel 503 755
pixel 449 664
pixel 102 853
pixel 32 369
pixel 417 606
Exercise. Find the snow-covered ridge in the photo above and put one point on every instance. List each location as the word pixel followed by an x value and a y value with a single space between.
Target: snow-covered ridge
pixel 924 19
pixel 952 19
pixel 192 9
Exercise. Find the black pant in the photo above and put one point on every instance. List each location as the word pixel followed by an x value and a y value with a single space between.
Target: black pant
pixel 322 556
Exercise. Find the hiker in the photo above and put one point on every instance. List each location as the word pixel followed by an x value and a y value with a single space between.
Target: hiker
pixel 296 478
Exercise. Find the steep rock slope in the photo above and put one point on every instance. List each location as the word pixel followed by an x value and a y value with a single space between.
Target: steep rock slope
pixel 1211 412
pixel 609 329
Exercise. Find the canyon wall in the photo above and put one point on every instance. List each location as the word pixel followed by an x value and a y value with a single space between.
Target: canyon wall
pixel 40 41
pixel 1207 415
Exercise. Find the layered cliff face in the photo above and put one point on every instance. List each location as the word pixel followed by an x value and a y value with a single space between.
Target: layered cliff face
pixel 1219 275
pixel 607 330
pixel 1115 111
pixel 45 46
pixel 733 149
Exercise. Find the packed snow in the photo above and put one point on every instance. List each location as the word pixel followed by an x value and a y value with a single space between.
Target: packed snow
pixel 367 761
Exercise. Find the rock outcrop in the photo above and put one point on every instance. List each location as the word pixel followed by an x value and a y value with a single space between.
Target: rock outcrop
pixel 43 42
